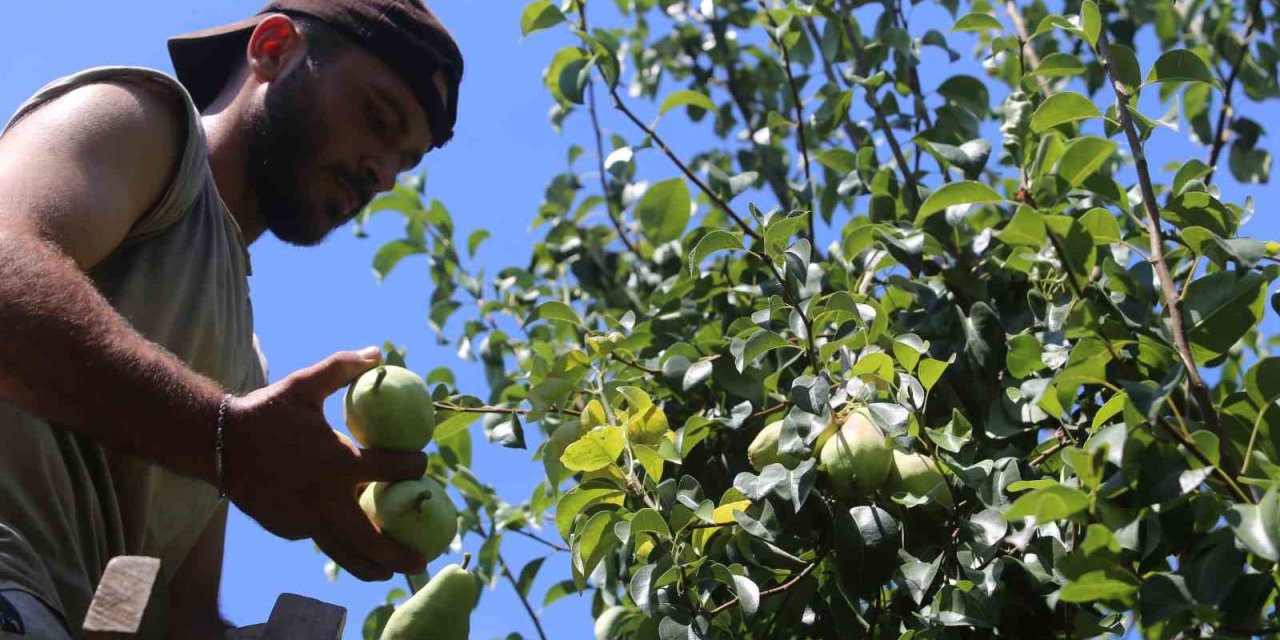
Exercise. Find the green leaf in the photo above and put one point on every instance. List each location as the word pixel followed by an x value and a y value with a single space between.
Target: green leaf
pixel 748 595
pixel 390 254
pixel 527 576
pixel 1125 68
pixel 1258 526
pixel 717 240
pixel 930 371
pixel 1098 585
pixel 1048 504
pixel 581 498
pixel 686 98
pixel 592 541
pixel 558 591
pixel 757 345
pixel 978 22
pixel 1101 225
pixel 1082 157
pixel 1181 65
pixel 957 193
pixel 1090 22
pixel 596 449
pixel 1220 308
pixel 1061 108
pixel 1026 228
pixel 1024 356
pixel 1059 64
pixel 664 210
pixel 539 15
pixel 474 240
pixel 554 310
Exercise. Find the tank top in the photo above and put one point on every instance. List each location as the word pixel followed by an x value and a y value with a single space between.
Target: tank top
pixel 180 278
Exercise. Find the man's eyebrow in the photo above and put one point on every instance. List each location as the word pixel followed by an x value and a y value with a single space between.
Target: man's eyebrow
pixel 413 158
pixel 402 121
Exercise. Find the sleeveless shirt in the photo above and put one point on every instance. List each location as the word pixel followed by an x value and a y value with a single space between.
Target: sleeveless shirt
pixel 180 278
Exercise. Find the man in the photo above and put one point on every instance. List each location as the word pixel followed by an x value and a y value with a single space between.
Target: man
pixel 132 391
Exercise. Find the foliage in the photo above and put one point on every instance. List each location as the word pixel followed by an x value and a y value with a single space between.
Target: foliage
pixel 1068 335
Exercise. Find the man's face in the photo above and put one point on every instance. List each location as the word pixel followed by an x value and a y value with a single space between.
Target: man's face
pixel 327 137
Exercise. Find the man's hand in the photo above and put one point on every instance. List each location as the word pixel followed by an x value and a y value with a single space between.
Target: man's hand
pixel 286 468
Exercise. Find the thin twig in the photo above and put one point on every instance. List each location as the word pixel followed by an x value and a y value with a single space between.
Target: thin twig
pixel 1024 40
pixel 853 133
pixel 778 589
pixel 449 406
pixel 724 206
pixel 1190 444
pixel 595 123
pixel 1173 304
pixel 506 571
pixel 883 123
pixel 636 365
pixel 538 538
pixel 795 98
pixel 1047 453
pixel 1220 132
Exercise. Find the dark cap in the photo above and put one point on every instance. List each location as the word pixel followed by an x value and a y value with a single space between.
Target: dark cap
pixel 404 34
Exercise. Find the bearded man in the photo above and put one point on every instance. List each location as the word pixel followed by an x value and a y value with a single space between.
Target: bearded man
pixel 134 401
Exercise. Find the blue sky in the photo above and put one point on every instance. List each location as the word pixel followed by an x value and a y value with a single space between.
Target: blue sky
pixel 311 302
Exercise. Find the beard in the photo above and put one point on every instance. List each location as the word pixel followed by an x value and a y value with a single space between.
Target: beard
pixel 283 148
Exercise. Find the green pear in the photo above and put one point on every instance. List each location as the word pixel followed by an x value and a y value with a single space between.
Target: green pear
pixel 856 458
pixel 763 451
pixel 440 610
pixel 916 474
pixel 416 513
pixel 390 407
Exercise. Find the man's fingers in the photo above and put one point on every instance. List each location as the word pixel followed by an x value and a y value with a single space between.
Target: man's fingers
pixel 377 547
pixel 380 464
pixel 342 551
pixel 337 371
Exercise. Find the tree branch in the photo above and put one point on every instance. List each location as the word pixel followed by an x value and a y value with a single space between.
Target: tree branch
pixel 1024 40
pixel 1220 131
pixel 912 201
pixel 506 572
pixel 799 107
pixel 702 186
pixel 775 590
pixel 449 406
pixel 595 123
pixel 1173 303
pixel 538 538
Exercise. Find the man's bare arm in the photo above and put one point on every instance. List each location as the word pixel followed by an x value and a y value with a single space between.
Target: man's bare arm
pixel 74 177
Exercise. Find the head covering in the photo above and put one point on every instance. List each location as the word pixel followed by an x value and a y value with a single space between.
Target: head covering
pixel 404 34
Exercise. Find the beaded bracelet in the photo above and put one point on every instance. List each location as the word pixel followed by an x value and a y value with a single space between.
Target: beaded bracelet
pixel 217 447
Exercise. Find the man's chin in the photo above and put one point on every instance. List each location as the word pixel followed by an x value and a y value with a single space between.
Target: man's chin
pixel 300 236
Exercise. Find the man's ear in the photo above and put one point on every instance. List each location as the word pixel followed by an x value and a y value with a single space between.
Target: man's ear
pixel 275 42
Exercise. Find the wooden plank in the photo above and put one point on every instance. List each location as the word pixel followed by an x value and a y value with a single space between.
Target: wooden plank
pixel 120 601
pixel 298 617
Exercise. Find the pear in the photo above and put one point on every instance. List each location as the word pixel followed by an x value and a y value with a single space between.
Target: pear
pixel 763 451
pixel 916 474
pixel 415 513
pixel 440 610
pixel 390 407
pixel 856 458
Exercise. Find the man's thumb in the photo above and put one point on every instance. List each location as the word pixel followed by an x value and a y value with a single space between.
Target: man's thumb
pixel 338 370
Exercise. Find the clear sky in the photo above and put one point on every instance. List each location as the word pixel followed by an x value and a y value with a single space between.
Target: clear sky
pixel 311 302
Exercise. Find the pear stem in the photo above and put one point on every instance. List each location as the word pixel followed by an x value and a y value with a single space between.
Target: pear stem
pixel 466 560
pixel 423 499
pixel 382 373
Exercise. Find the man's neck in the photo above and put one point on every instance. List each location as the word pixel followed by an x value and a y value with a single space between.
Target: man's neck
pixel 227 159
